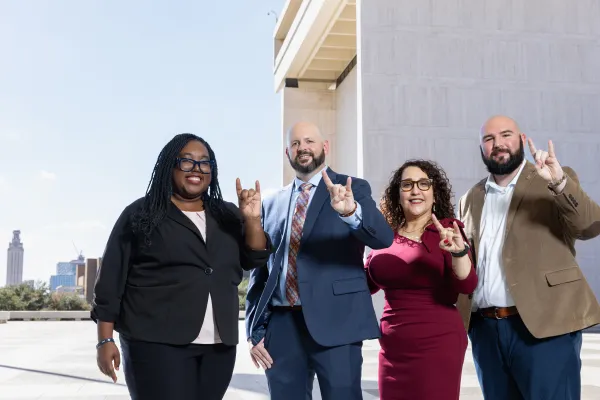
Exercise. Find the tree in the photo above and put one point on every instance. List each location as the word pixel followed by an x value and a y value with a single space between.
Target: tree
pixel 24 297
pixel 67 302
pixel 242 292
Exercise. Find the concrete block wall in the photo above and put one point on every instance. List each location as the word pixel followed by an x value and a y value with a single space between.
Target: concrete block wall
pixel 432 72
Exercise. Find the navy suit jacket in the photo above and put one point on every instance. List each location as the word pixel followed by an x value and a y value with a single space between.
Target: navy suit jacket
pixel 336 301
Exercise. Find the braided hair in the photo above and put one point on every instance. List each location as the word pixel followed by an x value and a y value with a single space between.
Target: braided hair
pixel 160 188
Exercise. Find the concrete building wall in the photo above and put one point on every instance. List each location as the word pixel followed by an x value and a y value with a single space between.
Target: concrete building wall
pixel 311 102
pixel 433 72
pixel 346 145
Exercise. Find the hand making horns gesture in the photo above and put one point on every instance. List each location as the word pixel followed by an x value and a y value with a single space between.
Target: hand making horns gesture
pixel 342 199
pixel 248 200
pixel 451 239
pixel 546 163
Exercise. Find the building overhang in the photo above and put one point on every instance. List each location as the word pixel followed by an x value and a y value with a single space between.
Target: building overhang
pixel 315 40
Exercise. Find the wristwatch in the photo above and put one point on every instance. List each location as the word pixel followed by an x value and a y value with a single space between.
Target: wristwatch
pixel 461 253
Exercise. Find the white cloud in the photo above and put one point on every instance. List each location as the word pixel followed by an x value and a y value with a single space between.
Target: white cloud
pixel 54 236
pixel 4 185
pixel 11 137
pixel 88 225
pixel 49 176
pixel 75 226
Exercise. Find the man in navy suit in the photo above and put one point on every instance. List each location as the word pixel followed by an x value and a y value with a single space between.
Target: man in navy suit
pixel 309 309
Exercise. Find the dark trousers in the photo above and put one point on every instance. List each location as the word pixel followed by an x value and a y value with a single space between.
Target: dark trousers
pixel 155 371
pixel 511 364
pixel 297 358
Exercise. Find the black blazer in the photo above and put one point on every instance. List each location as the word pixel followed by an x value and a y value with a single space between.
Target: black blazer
pixel 159 293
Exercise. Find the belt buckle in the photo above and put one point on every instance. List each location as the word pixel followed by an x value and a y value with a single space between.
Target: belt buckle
pixel 496 313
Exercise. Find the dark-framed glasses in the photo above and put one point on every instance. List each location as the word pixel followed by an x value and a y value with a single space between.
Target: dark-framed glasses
pixel 423 185
pixel 188 165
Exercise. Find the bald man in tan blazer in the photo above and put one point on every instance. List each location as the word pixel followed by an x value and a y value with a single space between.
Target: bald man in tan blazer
pixel 532 301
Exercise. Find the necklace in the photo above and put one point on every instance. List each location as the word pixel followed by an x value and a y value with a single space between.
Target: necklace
pixel 413 238
pixel 417 238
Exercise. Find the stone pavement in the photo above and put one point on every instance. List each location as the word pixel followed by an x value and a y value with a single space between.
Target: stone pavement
pixel 56 360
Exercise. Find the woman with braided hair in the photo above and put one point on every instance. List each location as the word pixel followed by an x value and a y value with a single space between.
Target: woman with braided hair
pixel 169 276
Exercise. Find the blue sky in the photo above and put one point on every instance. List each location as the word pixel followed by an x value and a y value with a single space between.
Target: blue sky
pixel 90 91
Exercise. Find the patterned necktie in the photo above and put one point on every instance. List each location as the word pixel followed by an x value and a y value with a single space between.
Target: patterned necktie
pixel 291 279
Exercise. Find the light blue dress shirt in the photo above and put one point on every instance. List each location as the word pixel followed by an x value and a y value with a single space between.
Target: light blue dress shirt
pixel 354 222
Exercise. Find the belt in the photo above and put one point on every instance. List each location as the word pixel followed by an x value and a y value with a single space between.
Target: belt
pixel 286 308
pixel 498 312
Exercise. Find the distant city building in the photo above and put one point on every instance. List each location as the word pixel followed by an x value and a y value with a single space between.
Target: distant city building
pixel 14 264
pixel 30 283
pixel 86 276
pixel 80 260
pixel 65 268
pixel 66 273
pixel 61 280
pixel 70 267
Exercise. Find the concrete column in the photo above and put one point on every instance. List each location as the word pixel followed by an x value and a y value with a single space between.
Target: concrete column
pixel 311 102
pixel 346 145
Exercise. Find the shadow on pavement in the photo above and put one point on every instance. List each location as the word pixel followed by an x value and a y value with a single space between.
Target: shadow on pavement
pixel 258 384
pixel 37 371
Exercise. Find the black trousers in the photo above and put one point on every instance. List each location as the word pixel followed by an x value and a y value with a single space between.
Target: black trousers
pixel 155 371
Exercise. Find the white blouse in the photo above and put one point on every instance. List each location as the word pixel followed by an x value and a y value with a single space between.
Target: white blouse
pixel 209 333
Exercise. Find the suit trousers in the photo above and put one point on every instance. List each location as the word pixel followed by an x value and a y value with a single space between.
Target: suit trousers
pixel 297 358
pixel 155 371
pixel 511 364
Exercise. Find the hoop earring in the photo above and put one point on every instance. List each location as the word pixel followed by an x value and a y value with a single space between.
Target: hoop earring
pixel 433 210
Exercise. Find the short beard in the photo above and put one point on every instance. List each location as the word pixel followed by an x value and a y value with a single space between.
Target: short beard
pixel 514 161
pixel 317 161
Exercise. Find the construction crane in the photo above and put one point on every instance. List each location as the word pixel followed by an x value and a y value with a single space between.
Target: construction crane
pixel 80 256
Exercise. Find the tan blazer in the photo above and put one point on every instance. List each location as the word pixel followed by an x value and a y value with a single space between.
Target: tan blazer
pixel 544 279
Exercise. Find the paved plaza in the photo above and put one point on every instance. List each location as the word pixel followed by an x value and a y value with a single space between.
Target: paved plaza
pixel 56 360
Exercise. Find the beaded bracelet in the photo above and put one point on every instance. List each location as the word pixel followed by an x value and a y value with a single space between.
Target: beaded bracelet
pixel 555 185
pixel 104 341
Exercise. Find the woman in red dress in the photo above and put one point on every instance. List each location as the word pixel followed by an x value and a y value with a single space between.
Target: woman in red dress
pixel 423 341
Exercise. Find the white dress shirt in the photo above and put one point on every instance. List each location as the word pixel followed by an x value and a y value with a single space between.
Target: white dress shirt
pixel 492 290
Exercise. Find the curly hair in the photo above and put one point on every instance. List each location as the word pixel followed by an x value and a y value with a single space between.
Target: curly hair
pixel 442 193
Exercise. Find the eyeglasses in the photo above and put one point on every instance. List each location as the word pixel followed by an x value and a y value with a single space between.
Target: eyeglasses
pixel 188 165
pixel 422 184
